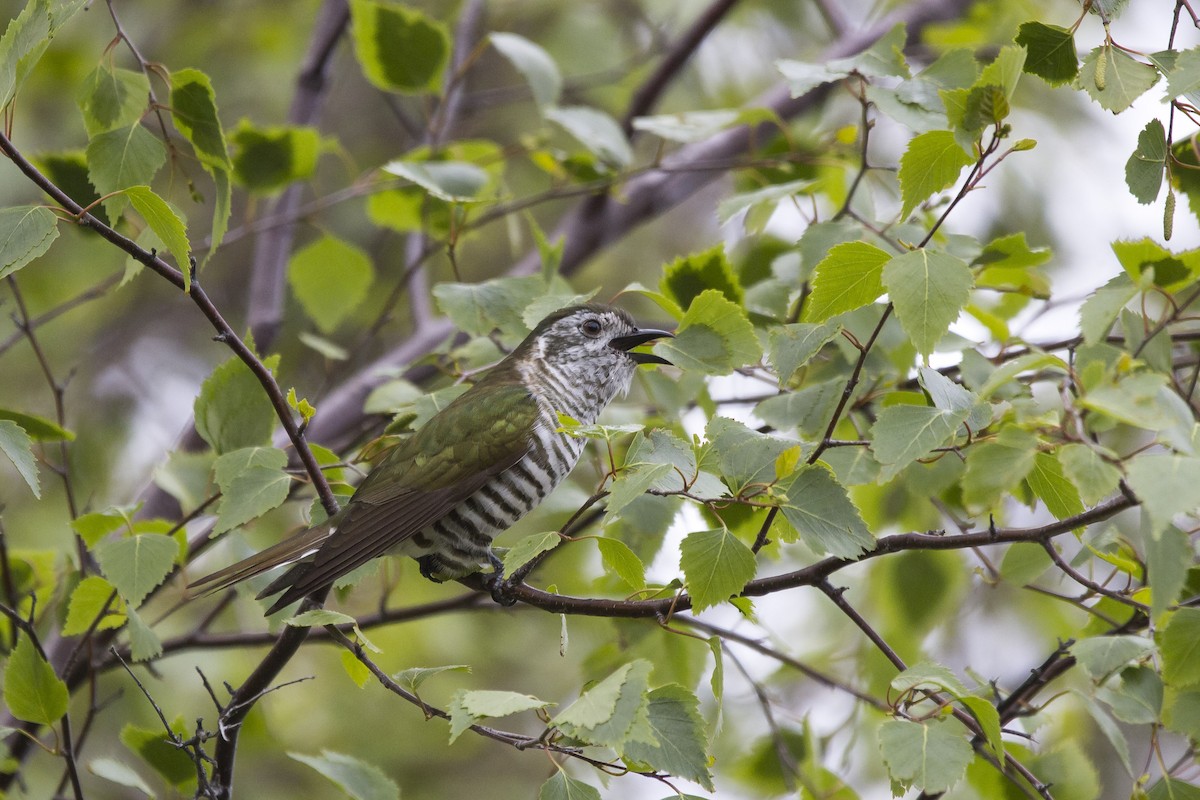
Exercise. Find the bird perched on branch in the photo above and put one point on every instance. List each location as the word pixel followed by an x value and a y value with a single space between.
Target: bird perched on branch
pixel 474 469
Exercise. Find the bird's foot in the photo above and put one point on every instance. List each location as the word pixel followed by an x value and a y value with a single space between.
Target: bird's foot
pixel 494 581
pixel 431 568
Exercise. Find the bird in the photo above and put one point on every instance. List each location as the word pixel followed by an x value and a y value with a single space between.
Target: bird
pixel 476 467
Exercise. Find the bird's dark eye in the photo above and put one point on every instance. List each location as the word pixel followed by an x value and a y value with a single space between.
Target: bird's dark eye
pixel 591 327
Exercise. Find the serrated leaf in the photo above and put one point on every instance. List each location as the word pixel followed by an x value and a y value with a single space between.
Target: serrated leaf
pixel 119 773
pixel 452 181
pixel 931 163
pixel 1111 731
pixel 399 48
pixel 493 703
pixel 680 747
pixel 88 599
pixel 928 289
pixel 686 277
pixel 1184 76
pixel 534 63
pixel 112 98
pixel 989 721
pixel 26 232
pixel 595 130
pixel 1094 477
pixel 24 41
pixel 1100 655
pixel 252 483
pixel 1179 644
pixel 929 675
pixel 951 396
pixel 1166 484
pixel 561 786
pixel 1168 557
pixel 849 277
pixel 618 558
pixel 713 338
pixel 904 433
pixel 631 484
pixel 793 346
pixel 528 548
pixel 137 564
pixel 120 159
pixel 17 447
pixel 1114 79
pixel 716 565
pixel 166 224
pixel 39 429
pixel 819 509
pixel 330 278
pixel 613 712
pixel 1099 311
pixel 1135 695
pixel 760 204
pixel 1145 168
pixel 1051 49
pixel 931 756
pixel 1051 486
pixel 480 308
pixel 32 692
pixel 358 779
pixel 194 109
pixel 232 411
pixel 996 467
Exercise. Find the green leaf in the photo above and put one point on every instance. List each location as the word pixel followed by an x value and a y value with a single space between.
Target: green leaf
pixel 492 703
pixel 793 346
pixel 1168 556
pixel 996 467
pixel 929 675
pixel 931 756
pixel 1110 729
pixel 1170 269
pixel 1101 655
pixel 1184 77
pixel 904 433
pixel 331 278
pixel 1052 54
pixel 413 677
pixel 819 509
pixel 561 786
pixel 120 159
pixel 166 224
pixel 1114 79
pixel 252 483
pixel 950 396
pixel 716 564
pixel 186 477
pixel 1094 477
pixel 17 447
pixel 1100 310
pixel 119 773
pixel 159 752
pixel 112 98
pixel 23 43
pixel 1145 168
pixel 528 548
pixel 631 484
pixel 268 159
pixel 931 163
pixel 320 617
pixel 1179 643
pixel 680 741
pixel 1024 563
pixel 232 411
pixel 1166 484
pixel 928 289
pixel 1173 789
pixel 399 48
pixel 194 109
pixel 88 599
pixel 745 457
pixel 713 338
pixel 692 126
pixel 534 64
pixel 618 558
pixel 989 720
pixel 760 204
pixel 480 308
pixel 613 712
pixel 686 277
pixel 358 779
pixel 1051 486
pixel 137 564
pixel 39 429
pixel 849 277
pixel 32 692
pixel 1135 696
pixel 452 181
pixel 595 130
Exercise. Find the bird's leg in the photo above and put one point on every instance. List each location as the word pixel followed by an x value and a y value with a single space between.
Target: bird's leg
pixel 495 583
pixel 431 568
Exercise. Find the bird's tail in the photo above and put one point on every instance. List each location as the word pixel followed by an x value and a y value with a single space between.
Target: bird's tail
pixel 288 551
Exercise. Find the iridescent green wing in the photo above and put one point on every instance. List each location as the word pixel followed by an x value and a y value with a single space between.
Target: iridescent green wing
pixel 482 433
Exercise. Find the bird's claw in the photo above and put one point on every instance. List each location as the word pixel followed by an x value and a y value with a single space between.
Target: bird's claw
pixel 494 581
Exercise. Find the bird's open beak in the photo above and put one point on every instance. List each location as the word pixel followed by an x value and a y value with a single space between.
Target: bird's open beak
pixel 632 340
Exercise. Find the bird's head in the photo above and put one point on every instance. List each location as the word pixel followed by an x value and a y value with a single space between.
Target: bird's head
pixel 591 344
